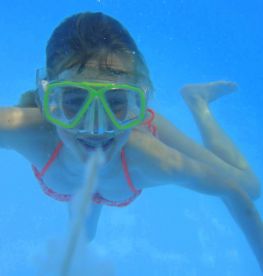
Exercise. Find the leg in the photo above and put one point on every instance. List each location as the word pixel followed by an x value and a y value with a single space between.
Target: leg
pixel 215 139
pixel 198 97
pixel 219 150
pixel 245 214
pixel 238 203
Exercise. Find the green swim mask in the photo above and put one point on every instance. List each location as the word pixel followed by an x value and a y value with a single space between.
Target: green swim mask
pixel 94 107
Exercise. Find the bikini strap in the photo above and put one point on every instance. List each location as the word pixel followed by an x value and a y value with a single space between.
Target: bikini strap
pixel 126 172
pixel 153 130
pixel 149 122
pixel 50 161
pixel 39 175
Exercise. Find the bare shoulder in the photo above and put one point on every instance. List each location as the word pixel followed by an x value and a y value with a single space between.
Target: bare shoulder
pixel 164 125
pixel 148 158
pixel 24 129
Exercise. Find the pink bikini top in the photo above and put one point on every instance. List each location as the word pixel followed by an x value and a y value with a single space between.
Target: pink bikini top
pixel 97 198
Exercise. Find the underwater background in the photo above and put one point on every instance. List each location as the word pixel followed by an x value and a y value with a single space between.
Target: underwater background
pixel 167 230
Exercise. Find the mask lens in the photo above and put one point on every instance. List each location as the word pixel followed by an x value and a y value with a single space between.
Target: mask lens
pixel 124 104
pixel 73 99
pixel 67 101
pixel 117 100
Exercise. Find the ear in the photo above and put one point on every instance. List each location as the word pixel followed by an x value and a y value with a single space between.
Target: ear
pixel 41 82
pixel 41 89
pixel 43 85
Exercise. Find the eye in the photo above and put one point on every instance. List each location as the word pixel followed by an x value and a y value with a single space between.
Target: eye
pixel 117 101
pixel 73 100
pixel 116 97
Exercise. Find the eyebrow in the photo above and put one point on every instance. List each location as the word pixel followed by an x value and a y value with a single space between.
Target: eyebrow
pixel 107 70
pixel 116 71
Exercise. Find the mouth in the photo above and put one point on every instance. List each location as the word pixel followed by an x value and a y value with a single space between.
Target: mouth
pixel 92 145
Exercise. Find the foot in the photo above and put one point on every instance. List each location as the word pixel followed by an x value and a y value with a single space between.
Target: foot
pixel 207 92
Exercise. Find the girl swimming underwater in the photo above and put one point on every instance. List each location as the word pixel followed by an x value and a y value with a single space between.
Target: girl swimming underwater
pixel 94 94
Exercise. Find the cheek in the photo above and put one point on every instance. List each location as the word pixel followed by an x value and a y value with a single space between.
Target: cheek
pixel 62 135
pixel 72 145
pixel 67 138
pixel 122 139
pixel 115 149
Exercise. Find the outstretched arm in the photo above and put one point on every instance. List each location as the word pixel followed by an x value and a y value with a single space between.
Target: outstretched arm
pixel 12 118
pixel 15 123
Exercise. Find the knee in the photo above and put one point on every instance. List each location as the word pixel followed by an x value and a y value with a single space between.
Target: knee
pixel 255 188
pixel 256 193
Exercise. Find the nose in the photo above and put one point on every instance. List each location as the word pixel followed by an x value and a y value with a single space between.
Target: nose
pixel 99 118
pixel 95 119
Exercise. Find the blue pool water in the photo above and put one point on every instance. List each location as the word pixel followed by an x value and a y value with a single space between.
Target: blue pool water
pixel 168 230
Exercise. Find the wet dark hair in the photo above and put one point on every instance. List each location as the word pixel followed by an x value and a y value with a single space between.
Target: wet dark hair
pixel 84 36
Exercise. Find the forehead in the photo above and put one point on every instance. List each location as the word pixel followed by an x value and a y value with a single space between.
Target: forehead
pixel 113 67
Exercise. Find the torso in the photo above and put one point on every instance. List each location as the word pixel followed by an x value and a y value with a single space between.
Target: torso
pixel 112 183
pixel 66 174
